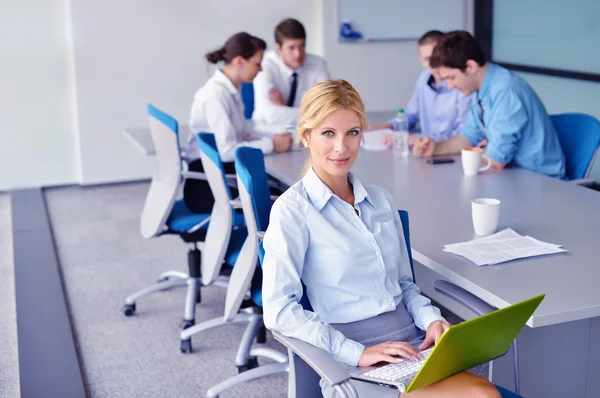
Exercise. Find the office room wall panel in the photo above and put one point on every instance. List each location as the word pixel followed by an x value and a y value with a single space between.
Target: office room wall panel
pixel 37 127
pixel 384 73
pixel 128 53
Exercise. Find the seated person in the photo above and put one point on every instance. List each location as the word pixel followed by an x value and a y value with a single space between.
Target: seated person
pixel 218 109
pixel 344 241
pixel 440 111
pixel 287 74
pixel 506 114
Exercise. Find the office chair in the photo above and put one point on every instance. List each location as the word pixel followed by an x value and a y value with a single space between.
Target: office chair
pixel 308 364
pixel 247 91
pixel 225 236
pixel 246 275
pixel 164 214
pixel 579 137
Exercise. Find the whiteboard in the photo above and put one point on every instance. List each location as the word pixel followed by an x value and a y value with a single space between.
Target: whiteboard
pixel 558 35
pixel 385 20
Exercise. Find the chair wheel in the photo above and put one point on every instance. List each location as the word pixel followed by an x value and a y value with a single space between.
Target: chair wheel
pixel 128 309
pixel 185 346
pixel 187 323
pixel 251 364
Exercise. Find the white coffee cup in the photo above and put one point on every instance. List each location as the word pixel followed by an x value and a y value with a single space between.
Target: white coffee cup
pixel 486 212
pixel 471 161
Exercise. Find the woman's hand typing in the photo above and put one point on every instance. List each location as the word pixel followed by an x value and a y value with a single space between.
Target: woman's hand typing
pixel 388 352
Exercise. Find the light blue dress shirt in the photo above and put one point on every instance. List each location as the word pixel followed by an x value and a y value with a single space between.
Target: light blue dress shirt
pixel 442 112
pixel 514 120
pixel 354 266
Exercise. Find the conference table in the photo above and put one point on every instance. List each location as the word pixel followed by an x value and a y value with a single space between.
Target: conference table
pixel 559 351
pixel 141 139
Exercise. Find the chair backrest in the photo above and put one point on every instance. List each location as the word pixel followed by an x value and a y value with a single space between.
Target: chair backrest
pixel 247 91
pixel 167 174
pixel 213 167
pixel 252 175
pixel 255 196
pixel 579 136
pixel 219 229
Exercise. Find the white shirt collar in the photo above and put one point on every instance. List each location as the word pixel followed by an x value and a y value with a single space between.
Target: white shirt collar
pixel 286 69
pixel 222 79
pixel 320 193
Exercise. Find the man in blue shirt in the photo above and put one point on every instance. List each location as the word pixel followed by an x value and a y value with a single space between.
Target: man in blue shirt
pixel 440 111
pixel 506 114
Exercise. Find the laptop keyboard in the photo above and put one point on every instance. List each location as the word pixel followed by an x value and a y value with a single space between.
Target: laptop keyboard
pixel 399 371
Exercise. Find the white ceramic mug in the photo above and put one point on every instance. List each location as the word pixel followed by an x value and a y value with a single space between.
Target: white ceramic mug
pixel 471 161
pixel 486 213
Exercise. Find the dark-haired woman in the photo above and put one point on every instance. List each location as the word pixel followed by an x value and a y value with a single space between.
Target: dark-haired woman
pixel 218 109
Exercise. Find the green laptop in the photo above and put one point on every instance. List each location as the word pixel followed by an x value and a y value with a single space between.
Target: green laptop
pixel 461 347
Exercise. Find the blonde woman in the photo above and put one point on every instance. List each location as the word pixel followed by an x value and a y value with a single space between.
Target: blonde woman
pixel 344 240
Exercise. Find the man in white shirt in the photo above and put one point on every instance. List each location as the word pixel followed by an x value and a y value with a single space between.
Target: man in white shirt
pixel 287 74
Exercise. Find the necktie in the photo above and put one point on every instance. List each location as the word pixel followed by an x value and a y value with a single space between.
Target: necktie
pixel 292 96
pixel 480 119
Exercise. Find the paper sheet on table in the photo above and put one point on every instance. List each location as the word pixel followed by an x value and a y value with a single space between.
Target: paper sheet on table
pixel 372 139
pixel 500 247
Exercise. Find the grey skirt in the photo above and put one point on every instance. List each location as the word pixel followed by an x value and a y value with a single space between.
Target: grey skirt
pixel 395 325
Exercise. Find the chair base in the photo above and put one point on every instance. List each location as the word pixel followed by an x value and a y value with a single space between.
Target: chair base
pixel 174 279
pixel 253 320
pixel 257 373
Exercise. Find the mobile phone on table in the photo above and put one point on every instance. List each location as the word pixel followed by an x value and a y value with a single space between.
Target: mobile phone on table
pixel 440 160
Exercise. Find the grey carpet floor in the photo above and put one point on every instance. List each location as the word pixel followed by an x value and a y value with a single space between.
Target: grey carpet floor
pixel 103 259
pixel 9 355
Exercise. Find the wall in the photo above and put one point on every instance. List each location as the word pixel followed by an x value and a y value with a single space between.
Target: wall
pixel 384 73
pixel 75 73
pixel 37 125
pixel 129 53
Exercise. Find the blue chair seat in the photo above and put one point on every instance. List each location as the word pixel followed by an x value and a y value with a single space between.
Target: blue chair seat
pixel 236 241
pixel 506 393
pixel 182 219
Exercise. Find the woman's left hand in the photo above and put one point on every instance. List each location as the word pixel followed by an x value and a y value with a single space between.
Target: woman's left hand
pixel 433 334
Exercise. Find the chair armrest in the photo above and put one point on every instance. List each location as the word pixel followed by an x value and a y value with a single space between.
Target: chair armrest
pixel 236 203
pixel 584 181
pixel 198 226
pixel 461 296
pixel 333 372
pixel 193 175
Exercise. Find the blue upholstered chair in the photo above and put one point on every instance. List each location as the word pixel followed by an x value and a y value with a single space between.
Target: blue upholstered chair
pixel 579 137
pixel 246 277
pixel 165 213
pixel 225 235
pixel 247 91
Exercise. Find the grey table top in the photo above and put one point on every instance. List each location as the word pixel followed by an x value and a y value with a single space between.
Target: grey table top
pixel 141 139
pixel 438 199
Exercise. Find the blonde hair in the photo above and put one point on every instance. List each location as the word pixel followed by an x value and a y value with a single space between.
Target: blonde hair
pixel 321 101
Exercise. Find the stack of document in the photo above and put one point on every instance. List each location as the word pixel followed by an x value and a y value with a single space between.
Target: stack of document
pixel 500 247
